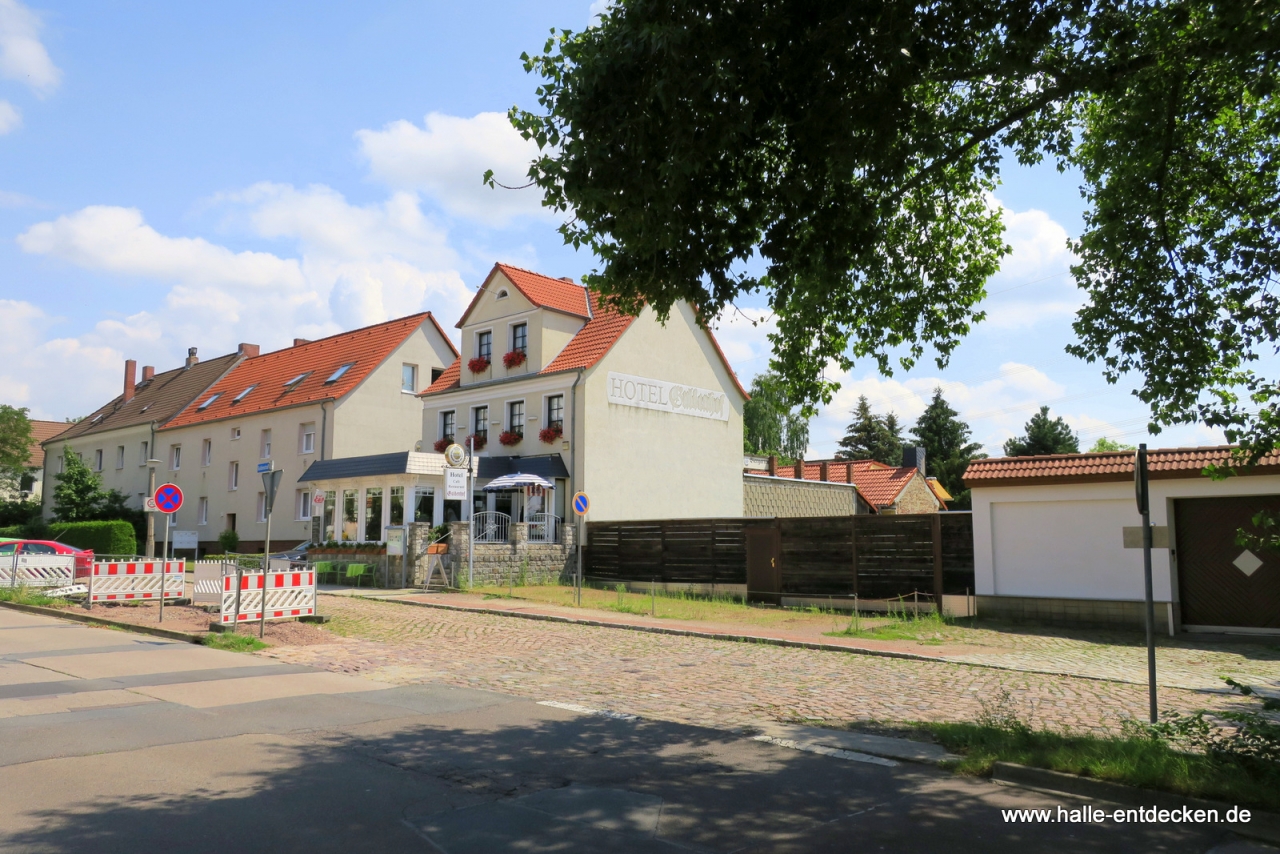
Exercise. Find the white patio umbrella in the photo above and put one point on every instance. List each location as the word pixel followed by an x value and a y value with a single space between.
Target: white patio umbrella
pixel 516 481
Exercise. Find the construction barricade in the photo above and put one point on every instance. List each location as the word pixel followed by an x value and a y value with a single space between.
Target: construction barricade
pixel 38 571
pixel 136 579
pixel 289 594
pixel 208 581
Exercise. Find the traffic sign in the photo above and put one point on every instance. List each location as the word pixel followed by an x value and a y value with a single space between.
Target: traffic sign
pixel 270 483
pixel 581 503
pixel 149 504
pixel 266 467
pixel 168 498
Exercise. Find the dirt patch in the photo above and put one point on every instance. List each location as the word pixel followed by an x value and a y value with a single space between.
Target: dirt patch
pixel 185 618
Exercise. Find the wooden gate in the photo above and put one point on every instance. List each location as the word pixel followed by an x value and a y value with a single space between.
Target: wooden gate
pixel 1221 583
pixel 764 570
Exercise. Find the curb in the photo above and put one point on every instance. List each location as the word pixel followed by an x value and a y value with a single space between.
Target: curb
pixel 97 621
pixel 769 641
pixel 1264 826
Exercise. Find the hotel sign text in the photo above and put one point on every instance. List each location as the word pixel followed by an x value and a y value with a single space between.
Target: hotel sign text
pixel 644 393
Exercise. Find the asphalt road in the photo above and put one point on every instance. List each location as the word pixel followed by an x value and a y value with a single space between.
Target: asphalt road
pixel 114 742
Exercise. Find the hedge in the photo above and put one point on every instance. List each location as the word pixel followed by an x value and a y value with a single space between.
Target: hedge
pixel 105 538
pixel 14 531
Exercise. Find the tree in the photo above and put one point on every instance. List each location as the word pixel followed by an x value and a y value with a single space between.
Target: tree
pixel 871 437
pixel 1104 445
pixel 852 148
pixel 78 495
pixel 1043 436
pixel 770 424
pixel 15 447
pixel 947 447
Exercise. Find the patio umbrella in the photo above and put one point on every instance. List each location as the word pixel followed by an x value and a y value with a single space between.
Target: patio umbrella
pixel 516 481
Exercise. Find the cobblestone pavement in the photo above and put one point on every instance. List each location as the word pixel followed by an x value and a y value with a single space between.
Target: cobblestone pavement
pixel 722 684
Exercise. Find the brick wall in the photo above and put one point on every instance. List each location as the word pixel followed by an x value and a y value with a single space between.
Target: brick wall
pixel 917 497
pixel 782 497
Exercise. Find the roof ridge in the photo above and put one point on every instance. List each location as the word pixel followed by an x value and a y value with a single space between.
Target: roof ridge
pixel 297 347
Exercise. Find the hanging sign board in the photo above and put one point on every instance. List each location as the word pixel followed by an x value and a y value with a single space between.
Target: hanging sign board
pixel 455 484
pixel 318 498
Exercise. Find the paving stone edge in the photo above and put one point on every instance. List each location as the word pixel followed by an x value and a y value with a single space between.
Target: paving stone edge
pixel 770 641
pixel 98 621
pixel 1262 825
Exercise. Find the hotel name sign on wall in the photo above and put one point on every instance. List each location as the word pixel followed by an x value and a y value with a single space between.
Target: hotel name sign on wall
pixel 644 393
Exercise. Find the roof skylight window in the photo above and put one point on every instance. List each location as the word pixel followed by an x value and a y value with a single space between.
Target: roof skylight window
pixel 242 395
pixel 337 375
pixel 202 407
pixel 298 379
pixel 97 418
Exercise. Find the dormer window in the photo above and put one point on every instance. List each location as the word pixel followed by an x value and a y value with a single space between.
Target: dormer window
pixel 520 337
pixel 202 407
pixel 242 395
pixel 337 375
pixel 484 345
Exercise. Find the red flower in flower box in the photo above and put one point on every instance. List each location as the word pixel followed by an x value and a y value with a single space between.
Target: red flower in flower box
pixel 478 365
pixel 480 440
pixel 510 437
pixel 512 359
pixel 441 444
pixel 550 434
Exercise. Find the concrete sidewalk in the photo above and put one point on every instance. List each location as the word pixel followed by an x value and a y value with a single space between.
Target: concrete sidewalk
pixel 114 743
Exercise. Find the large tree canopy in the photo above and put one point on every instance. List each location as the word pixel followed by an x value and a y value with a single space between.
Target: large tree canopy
pixel 849 151
pixel 771 424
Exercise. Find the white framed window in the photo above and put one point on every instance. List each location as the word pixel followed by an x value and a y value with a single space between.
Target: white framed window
pixel 262 507
pixel 206 452
pixel 480 421
pixel 120 456
pixel 515 417
pixel 307 438
pixel 265 446
pixel 202 511
pixel 233 476
pixel 520 337
pixel 235 433
pixel 303 503
pixel 555 411
pixel 484 345
pixel 409 378
pixel 97 460
pixel 448 427
pixel 175 457
pixel 62 462
pixel 142 455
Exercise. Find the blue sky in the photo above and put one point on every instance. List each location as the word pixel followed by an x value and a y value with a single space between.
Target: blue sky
pixel 176 175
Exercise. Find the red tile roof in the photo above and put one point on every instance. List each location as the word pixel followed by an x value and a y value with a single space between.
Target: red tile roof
pixel 451 378
pixel 363 349
pixel 1114 466
pixel 43 431
pixel 879 484
pixel 593 341
pixel 544 291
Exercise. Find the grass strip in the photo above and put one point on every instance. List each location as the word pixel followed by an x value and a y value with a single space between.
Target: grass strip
pixel 233 642
pixel 1133 761
pixel 30 596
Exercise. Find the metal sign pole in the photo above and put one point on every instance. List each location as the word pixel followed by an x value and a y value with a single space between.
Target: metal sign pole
pixel 164 563
pixel 471 515
pixel 266 564
pixel 270 483
pixel 1142 487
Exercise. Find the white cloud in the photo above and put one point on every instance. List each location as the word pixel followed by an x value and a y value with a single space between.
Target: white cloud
pixel 598 8
pixel 22 56
pixel 447 158
pixel 10 118
pixel 15 200
pixel 743 336
pixel 1039 244
pixel 1022 314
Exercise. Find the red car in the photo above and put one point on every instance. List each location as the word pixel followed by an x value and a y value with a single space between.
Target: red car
pixel 84 559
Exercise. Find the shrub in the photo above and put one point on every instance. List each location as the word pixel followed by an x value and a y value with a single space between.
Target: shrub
pixel 103 537
pixel 15 513
pixel 229 541
pixel 14 531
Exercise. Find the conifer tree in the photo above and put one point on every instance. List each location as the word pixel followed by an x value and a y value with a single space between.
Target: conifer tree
pixel 871 437
pixel 947 447
pixel 1043 436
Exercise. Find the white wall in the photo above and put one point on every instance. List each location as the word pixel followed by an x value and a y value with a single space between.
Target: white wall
pixel 1066 541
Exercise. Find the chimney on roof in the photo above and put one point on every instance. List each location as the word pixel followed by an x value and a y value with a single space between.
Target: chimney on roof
pixel 130 374
pixel 799 468
pixel 568 279
pixel 192 358
pixel 913 457
pixel 148 371
pixel 298 342
pixel 773 466
pixel 248 350
pixel 826 471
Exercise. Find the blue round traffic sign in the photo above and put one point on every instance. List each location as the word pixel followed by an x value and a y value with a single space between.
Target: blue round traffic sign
pixel 168 498
pixel 581 503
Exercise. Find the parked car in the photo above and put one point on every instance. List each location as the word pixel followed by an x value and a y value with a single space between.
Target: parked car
pixel 84 557
pixel 297 553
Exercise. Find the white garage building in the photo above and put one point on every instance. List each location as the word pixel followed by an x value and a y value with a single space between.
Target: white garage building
pixel 1049 541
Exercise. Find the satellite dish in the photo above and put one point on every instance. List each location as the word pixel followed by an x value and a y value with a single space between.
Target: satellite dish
pixel 455 454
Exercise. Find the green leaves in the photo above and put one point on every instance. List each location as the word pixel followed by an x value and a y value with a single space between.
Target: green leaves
pixel 15 446
pixel 1043 436
pixel 770 422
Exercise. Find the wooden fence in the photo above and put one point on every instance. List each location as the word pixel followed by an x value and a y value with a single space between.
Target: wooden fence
pixel 873 557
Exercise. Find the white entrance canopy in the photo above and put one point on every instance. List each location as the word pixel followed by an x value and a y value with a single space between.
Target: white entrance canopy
pixel 516 481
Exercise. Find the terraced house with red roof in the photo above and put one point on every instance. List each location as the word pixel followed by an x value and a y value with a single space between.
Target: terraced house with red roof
pixel 645 417
pixel 350 394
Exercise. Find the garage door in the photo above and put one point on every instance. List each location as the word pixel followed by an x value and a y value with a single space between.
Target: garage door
pixel 1222 583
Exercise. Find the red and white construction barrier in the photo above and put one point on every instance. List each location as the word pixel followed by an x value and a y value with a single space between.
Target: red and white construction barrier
pixel 128 580
pixel 38 571
pixel 289 594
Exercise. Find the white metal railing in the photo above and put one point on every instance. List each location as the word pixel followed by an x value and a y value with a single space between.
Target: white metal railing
pixel 544 528
pixel 490 527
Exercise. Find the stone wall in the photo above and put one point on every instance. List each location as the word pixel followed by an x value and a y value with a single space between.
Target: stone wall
pixel 784 497
pixel 493 563
pixel 916 497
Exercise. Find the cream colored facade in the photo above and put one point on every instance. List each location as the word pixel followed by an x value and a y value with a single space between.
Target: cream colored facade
pixel 118 456
pixel 637 459
pixel 219 460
